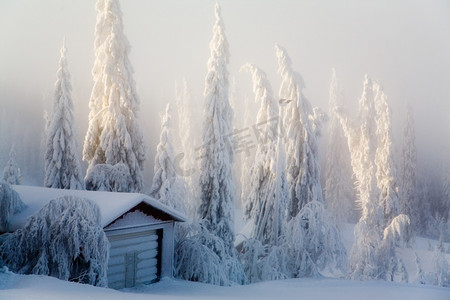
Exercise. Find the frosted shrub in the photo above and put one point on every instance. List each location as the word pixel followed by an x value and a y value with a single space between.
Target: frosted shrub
pixel 201 256
pixel 420 276
pixel 10 204
pixel 11 172
pixel 64 239
pixel 264 262
pixel 441 274
pixel 253 251
pixel 313 243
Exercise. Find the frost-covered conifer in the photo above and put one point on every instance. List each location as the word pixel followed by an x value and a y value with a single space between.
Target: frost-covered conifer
pixel 362 145
pixel 10 204
pixel 64 239
pixel 410 203
pixel 62 166
pixel 384 161
pixel 303 125
pixel 11 172
pixel 206 251
pixel 312 242
pixel 202 256
pixel 114 135
pixel 379 228
pixel 216 182
pixel 167 186
pixel 264 254
pixel 264 207
pixel 338 187
pixel 188 134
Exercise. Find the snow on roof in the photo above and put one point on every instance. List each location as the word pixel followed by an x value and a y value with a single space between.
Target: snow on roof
pixel 112 205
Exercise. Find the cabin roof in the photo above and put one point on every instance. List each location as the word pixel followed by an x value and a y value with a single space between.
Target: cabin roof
pixel 112 205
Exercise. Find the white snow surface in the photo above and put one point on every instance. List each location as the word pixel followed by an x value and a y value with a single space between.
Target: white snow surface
pixel 112 205
pixel 13 286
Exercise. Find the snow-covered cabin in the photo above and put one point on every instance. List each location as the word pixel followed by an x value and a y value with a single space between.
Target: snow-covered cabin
pixel 139 228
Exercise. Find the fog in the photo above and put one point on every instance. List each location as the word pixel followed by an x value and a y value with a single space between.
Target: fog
pixel 404 44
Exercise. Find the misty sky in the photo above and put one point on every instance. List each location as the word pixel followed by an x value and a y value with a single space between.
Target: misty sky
pixel 404 43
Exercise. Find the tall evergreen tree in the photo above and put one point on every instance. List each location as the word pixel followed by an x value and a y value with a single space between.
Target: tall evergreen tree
pixel 167 187
pixel 62 166
pixel 409 199
pixel 379 228
pixel 362 145
pixel 264 206
pixel 11 172
pixel 213 235
pixel 384 158
pixel 189 137
pixel 338 186
pixel 303 126
pixel 114 135
pixel 216 183
pixel 311 241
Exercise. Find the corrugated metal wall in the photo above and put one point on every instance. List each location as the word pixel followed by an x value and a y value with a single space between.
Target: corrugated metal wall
pixel 134 258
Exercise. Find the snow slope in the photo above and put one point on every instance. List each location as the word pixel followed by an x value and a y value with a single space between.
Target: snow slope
pixel 13 286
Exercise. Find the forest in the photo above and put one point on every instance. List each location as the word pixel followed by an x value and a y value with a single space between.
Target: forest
pixel 294 173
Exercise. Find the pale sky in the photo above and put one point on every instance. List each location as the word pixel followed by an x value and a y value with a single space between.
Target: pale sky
pixel 405 44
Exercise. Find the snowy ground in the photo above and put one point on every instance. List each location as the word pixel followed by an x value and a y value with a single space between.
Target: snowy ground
pixel 41 287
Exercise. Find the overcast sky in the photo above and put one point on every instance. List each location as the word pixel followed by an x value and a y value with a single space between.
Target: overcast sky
pixel 403 43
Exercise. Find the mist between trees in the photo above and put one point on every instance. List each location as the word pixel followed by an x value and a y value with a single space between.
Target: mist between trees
pixel 242 140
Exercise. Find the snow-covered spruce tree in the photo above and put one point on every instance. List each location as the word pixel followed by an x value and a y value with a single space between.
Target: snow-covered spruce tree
pixel 302 126
pixel 64 239
pixel 265 207
pixel 338 186
pixel 396 226
pixel 362 145
pixel 167 187
pixel 386 173
pixel 410 204
pixel 311 241
pixel 271 261
pixel 188 135
pixel 10 204
pixel 62 166
pixel 216 182
pixel 213 235
pixel 373 252
pixel 262 207
pixel 11 172
pixel 114 135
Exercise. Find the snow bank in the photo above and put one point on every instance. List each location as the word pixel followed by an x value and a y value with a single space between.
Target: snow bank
pixel 14 286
